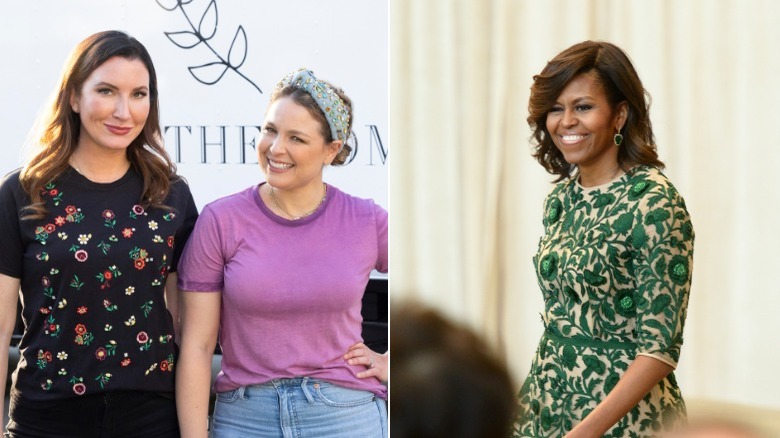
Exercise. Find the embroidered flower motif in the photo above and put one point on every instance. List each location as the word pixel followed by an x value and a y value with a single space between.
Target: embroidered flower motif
pixel 79 388
pixel 110 307
pixel 62 355
pixel 130 321
pixel 45 310
pixel 46 385
pixel 624 303
pixel 164 365
pixel 50 228
pixel 142 337
pixel 157 239
pixel 553 212
pixel 139 264
pixel 62 236
pixel 170 241
pixel 110 218
pixel 108 328
pixel 81 310
pixel 548 266
pixel 100 354
pixel 126 361
pixel 687 230
pixel 169 216
pixel 128 233
pixel 81 329
pixel 678 269
pixel 70 209
pixel 59 220
pixel 603 200
pixel 62 372
pixel 638 189
pixel 152 225
pixel 84 238
pixel 137 211
pixel 129 290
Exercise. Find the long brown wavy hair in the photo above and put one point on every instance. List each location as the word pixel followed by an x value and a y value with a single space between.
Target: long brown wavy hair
pixel 303 98
pixel 60 125
pixel 614 70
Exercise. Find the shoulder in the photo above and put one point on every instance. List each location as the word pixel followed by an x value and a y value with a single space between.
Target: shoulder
pixel 650 184
pixel 10 183
pixel 230 204
pixel 354 203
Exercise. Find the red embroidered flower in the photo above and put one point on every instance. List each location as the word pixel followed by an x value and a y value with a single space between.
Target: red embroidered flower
pixel 127 233
pixel 170 241
pixel 44 310
pixel 70 209
pixel 142 337
pixel 139 264
pixel 101 353
pixel 50 228
pixel 164 365
pixel 45 281
pixel 53 192
pixel 47 356
pixel 81 329
pixel 125 362
pixel 59 220
pixel 81 255
pixel 81 310
pixel 79 388
pixel 106 303
pixel 107 275
pixel 108 214
pixel 138 210
pixel 52 327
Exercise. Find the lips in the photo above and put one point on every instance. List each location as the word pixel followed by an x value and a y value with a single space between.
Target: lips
pixel 278 165
pixel 118 130
pixel 572 138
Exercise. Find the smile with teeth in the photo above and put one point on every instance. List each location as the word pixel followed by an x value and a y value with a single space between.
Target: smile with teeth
pixel 279 165
pixel 571 139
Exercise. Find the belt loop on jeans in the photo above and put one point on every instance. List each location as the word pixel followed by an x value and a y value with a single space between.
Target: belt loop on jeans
pixel 241 391
pixel 305 388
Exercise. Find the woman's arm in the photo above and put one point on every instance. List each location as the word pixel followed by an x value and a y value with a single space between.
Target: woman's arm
pixel 9 296
pixel 640 377
pixel 199 328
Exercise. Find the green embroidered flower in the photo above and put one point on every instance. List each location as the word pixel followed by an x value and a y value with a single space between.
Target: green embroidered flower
pixel 553 212
pixel 610 382
pixel 624 303
pixel 678 269
pixel 638 189
pixel 548 267
pixel 603 200
pixel 657 216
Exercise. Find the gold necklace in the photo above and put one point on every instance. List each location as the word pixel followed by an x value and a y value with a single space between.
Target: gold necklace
pixel 308 213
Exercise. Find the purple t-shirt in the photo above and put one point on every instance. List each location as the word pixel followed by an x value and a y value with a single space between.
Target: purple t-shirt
pixel 291 290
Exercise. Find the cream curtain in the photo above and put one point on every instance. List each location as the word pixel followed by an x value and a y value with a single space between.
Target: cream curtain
pixel 466 196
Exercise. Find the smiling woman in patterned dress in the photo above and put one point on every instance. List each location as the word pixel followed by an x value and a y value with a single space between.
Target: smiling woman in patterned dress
pixel 91 229
pixel 615 261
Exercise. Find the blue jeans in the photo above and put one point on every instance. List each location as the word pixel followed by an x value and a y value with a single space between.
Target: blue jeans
pixel 298 408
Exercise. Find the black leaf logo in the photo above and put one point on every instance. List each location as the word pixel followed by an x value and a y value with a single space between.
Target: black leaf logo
pixel 211 72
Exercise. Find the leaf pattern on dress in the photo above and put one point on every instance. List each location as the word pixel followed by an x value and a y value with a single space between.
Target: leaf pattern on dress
pixel 614 266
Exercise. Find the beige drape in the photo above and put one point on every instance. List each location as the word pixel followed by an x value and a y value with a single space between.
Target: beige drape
pixel 466 196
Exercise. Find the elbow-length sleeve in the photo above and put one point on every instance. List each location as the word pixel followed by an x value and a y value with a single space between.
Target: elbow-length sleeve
pixel 663 243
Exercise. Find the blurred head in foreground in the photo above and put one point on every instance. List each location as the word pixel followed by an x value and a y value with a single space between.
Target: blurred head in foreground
pixel 446 382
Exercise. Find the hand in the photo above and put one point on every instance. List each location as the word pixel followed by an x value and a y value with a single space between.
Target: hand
pixel 376 364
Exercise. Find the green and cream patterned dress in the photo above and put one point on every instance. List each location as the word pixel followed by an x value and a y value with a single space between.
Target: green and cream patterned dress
pixel 614 266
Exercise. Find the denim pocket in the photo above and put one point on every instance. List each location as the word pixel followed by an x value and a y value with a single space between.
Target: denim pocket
pixel 228 396
pixel 337 396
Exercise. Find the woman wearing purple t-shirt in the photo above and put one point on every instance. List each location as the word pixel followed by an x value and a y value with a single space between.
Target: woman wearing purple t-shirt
pixel 279 270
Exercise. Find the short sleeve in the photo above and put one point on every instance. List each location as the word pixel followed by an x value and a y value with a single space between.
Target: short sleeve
pixel 381 230
pixel 663 265
pixel 11 243
pixel 202 264
pixel 190 211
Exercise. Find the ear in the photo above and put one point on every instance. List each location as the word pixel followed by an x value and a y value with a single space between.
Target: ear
pixel 74 103
pixel 621 115
pixel 332 149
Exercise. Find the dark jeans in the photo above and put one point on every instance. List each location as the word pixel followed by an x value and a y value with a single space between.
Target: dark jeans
pixel 126 414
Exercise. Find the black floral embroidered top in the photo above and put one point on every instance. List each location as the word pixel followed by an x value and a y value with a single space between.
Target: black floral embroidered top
pixel 92 276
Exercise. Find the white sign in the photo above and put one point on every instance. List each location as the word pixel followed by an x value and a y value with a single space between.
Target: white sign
pixel 217 63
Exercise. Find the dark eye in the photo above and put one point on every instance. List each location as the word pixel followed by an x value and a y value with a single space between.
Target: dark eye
pixel 140 94
pixel 297 139
pixel 556 109
pixel 269 130
pixel 105 91
pixel 583 107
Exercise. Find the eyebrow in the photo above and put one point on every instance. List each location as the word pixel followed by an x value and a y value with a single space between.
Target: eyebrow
pixel 114 87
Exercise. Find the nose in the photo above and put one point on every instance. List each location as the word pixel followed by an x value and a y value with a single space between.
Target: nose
pixel 276 145
pixel 569 119
pixel 121 109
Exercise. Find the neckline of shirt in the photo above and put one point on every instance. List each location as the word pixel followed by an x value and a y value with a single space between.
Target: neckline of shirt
pixel 331 192
pixel 73 175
